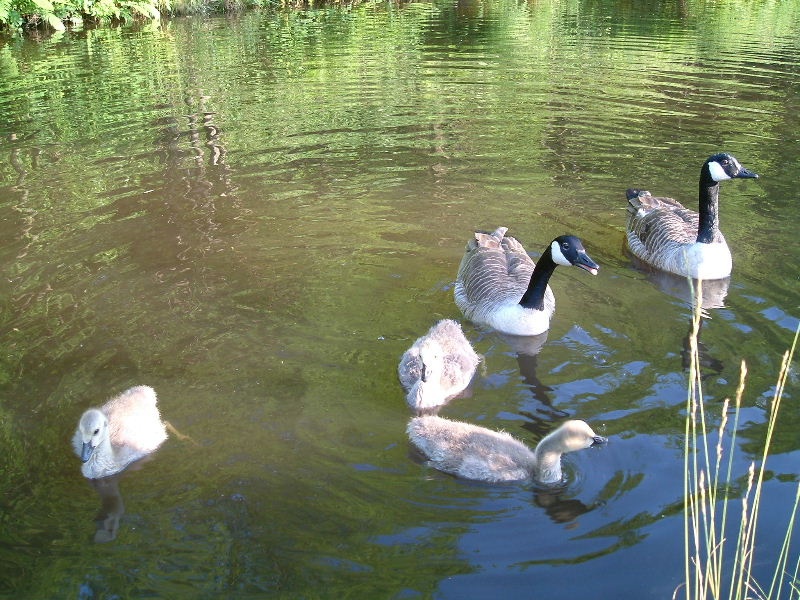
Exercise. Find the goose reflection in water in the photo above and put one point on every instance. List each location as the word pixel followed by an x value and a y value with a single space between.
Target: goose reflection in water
pixel 527 349
pixel 707 293
pixel 703 295
pixel 555 500
pixel 560 507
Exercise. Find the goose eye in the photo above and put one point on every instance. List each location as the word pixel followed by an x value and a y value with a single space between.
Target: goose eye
pixel 96 431
pixel 565 245
pixel 724 162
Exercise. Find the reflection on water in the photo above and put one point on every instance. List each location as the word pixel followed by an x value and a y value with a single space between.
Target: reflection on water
pixel 259 215
pixel 709 365
pixel 559 508
pixel 111 508
pixel 527 350
pixel 706 295
pixel 703 295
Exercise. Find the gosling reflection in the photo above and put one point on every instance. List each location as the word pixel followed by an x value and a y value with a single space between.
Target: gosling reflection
pixel 111 505
pixel 560 508
pixel 111 508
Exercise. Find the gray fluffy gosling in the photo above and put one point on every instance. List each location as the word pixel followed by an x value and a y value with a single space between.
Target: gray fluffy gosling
pixel 500 286
pixel 481 454
pixel 438 366
pixel 670 237
pixel 126 428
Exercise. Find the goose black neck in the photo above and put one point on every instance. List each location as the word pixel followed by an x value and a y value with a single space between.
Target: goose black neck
pixel 534 295
pixel 709 208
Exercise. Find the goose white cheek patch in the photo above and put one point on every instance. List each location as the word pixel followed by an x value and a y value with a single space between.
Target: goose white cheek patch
pixel 717 172
pixel 558 257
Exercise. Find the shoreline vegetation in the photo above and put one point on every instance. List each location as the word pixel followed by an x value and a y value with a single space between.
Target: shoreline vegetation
pixel 57 15
pixel 719 530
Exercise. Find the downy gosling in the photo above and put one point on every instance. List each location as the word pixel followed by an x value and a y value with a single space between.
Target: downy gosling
pixel 481 454
pixel 437 367
pixel 126 428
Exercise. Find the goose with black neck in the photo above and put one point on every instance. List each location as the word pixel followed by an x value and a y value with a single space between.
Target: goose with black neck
pixel 670 237
pixel 499 285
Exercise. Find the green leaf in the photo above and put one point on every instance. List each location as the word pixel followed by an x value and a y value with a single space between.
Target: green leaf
pixel 55 22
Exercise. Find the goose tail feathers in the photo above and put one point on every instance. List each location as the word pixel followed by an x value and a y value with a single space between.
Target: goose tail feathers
pixel 485 239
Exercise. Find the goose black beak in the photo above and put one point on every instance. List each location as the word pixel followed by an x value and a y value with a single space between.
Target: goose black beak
pixel 86 451
pixel 599 440
pixel 746 174
pixel 424 375
pixel 586 263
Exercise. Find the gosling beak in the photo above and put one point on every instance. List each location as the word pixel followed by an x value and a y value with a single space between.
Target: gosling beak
pixel 86 451
pixel 586 263
pixel 746 174
pixel 599 440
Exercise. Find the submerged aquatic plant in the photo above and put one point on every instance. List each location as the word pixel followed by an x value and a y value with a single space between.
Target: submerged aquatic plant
pixel 710 572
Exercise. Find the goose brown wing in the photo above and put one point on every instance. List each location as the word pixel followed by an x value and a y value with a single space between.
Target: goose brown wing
pixel 657 221
pixel 495 269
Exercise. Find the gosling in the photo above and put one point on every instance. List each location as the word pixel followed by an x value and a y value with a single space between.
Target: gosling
pixel 125 429
pixel 480 454
pixel 437 367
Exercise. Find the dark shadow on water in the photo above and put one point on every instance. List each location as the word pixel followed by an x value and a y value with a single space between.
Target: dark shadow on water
pixel 709 365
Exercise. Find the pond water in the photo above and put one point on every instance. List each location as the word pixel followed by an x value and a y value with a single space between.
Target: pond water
pixel 257 215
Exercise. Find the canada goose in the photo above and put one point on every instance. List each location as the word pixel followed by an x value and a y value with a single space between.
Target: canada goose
pixel 438 366
pixel 499 285
pixel 126 428
pixel 481 454
pixel 670 237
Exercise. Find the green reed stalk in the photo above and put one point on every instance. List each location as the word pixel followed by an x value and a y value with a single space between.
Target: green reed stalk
pixel 706 492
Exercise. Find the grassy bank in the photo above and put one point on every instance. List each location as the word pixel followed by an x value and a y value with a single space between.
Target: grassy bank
pixel 58 14
pixel 722 508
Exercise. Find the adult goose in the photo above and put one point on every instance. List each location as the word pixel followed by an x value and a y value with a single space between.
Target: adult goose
pixel 126 428
pixel 668 236
pixel 500 286
pixel 481 454
pixel 438 366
